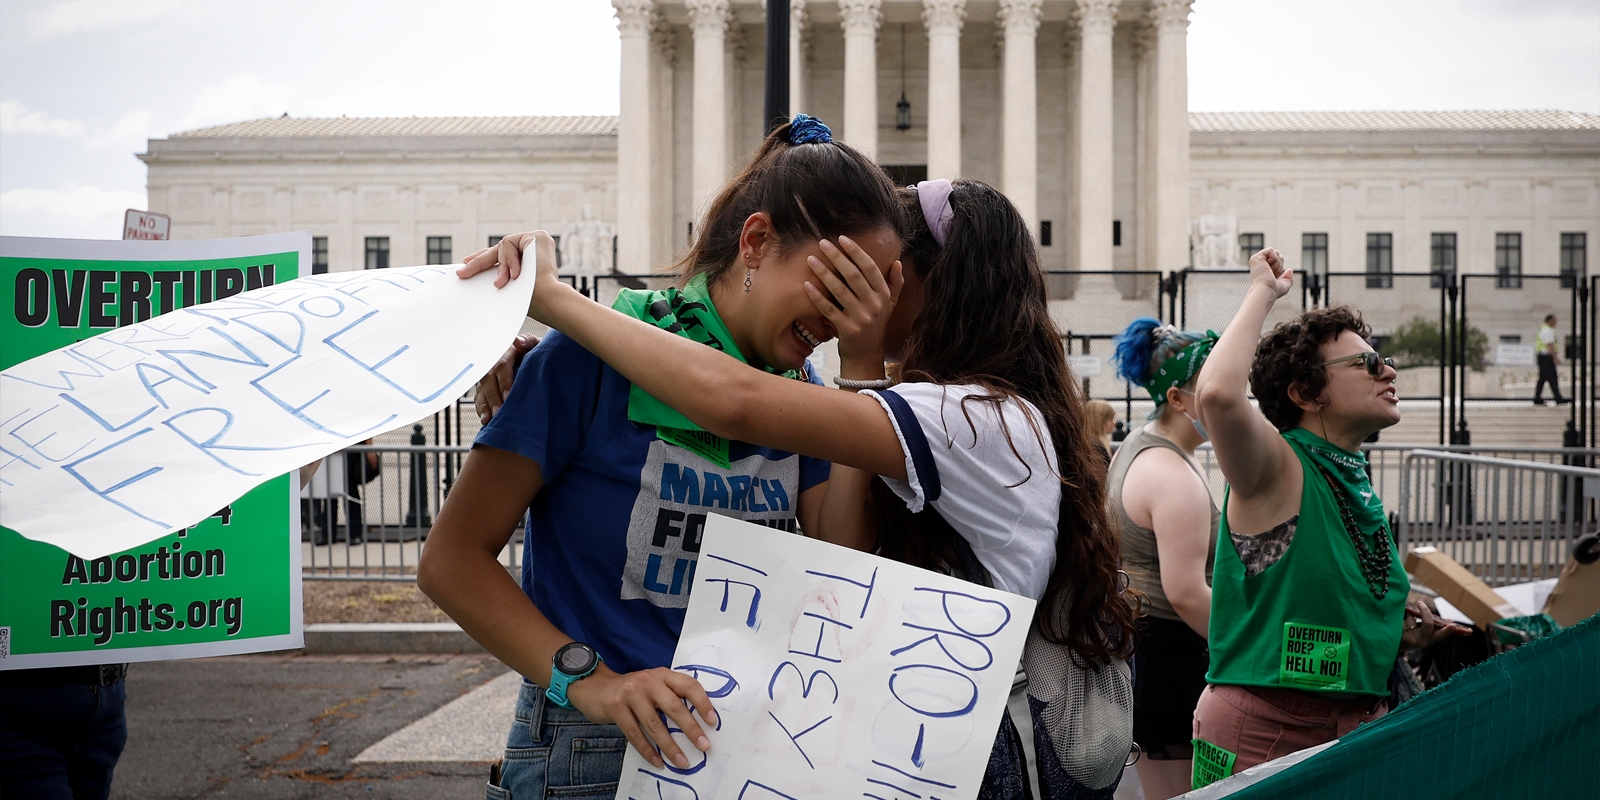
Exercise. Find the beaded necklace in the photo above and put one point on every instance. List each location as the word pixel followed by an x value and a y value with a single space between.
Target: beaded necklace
pixel 1374 560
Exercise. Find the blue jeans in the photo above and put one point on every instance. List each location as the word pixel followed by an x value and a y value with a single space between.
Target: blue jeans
pixel 557 752
pixel 60 742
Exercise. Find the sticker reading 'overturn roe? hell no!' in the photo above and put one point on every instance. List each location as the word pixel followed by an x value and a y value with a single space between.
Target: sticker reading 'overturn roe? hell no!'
pixel 1314 656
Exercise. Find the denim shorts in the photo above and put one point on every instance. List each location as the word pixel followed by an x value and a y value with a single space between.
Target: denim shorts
pixel 557 752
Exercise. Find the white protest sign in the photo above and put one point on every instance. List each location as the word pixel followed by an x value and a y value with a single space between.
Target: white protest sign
pixel 1086 366
pixel 836 673
pixel 118 439
pixel 1513 355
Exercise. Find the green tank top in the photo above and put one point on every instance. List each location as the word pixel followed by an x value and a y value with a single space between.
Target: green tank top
pixel 1310 621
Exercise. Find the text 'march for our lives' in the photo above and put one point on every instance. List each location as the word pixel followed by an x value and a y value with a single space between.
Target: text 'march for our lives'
pixel 836 673
pixel 115 440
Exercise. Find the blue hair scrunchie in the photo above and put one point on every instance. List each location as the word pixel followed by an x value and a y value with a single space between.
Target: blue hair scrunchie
pixel 806 129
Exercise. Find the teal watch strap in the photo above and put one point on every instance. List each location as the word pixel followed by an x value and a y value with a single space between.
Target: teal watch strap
pixel 559 681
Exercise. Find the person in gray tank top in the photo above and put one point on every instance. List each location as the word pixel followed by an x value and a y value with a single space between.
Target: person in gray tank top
pixel 1169 534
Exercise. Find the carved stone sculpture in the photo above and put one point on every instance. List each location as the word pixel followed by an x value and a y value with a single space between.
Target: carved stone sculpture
pixel 1215 239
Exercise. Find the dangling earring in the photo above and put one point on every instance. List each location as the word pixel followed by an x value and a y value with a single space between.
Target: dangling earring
pixel 746 273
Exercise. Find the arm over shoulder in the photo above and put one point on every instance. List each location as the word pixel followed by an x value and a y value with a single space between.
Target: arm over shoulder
pixel 551 407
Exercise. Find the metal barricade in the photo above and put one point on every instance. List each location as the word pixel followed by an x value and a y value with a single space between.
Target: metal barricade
pixel 1506 520
pixel 1388 462
pixel 372 527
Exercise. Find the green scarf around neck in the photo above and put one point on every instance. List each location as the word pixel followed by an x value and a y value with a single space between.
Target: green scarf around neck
pixel 687 312
pixel 1350 478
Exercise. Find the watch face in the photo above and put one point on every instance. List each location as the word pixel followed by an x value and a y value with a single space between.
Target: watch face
pixel 575 659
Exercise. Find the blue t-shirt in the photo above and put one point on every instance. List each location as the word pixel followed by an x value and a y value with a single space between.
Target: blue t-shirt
pixel 613 537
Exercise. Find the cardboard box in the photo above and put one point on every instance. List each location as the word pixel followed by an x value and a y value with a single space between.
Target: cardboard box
pixel 1463 589
pixel 1577 593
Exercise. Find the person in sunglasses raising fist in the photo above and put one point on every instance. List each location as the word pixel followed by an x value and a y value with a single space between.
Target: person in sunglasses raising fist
pixel 1308 608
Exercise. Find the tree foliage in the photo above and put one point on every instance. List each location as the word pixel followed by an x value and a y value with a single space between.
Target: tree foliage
pixel 1416 344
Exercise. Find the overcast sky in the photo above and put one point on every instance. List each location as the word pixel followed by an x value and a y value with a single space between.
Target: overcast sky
pixel 84 83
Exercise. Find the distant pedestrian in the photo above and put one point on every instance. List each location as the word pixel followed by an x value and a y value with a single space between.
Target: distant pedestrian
pixel 1545 347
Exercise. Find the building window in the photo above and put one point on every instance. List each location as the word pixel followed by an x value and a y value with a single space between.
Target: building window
pixel 1045 234
pixel 1508 261
pixel 319 255
pixel 1380 261
pixel 438 249
pixel 1314 253
pixel 1250 244
pixel 377 252
pixel 1441 259
pixel 494 240
pixel 1574 258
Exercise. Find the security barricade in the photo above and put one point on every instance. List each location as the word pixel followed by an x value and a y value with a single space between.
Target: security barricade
pixel 369 522
pixel 1506 520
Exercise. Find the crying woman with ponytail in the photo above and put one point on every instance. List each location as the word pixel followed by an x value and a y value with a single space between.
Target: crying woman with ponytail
pixel 595 462
pixel 978 462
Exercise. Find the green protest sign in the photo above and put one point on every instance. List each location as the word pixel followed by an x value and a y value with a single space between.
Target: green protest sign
pixel 229 584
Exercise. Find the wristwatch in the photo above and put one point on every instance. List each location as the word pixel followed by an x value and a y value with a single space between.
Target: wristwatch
pixel 573 661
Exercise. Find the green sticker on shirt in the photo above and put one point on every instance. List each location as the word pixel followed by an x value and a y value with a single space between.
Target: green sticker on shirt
pixel 1314 657
pixel 1211 764
pixel 708 446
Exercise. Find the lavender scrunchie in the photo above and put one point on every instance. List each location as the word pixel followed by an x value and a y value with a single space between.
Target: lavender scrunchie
pixel 806 129
pixel 935 199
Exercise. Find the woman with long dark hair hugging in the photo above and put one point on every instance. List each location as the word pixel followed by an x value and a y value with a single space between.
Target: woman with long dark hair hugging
pixel 979 461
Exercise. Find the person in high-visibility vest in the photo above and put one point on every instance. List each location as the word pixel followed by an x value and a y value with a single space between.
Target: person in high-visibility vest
pixel 1545 347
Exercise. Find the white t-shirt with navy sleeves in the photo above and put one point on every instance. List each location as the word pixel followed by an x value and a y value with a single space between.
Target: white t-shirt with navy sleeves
pixel 958 461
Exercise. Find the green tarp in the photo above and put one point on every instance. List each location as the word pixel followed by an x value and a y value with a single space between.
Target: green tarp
pixel 1524 724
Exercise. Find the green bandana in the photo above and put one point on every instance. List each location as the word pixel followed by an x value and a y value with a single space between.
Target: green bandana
pixel 689 313
pixel 1350 479
pixel 1177 370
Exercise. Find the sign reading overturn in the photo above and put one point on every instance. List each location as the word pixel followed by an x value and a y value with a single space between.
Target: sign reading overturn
pixel 227 584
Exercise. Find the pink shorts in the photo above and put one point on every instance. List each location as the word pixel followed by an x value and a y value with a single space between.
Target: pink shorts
pixel 1258 724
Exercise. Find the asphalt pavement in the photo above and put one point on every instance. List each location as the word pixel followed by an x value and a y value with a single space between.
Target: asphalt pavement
pixel 281 726
pixel 286 727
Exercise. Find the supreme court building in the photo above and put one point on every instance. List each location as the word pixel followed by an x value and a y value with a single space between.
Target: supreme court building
pixel 1076 109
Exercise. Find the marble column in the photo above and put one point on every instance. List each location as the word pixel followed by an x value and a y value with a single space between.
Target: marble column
pixel 1019 119
pixel 634 138
pixel 1142 239
pixel 943 19
pixel 709 19
pixel 860 19
pixel 222 210
pixel 471 236
pixel 799 41
pixel 1091 172
pixel 346 252
pixel 1169 151
pixel 667 232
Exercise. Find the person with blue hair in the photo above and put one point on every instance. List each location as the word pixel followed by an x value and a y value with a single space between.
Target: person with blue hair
pixel 1169 537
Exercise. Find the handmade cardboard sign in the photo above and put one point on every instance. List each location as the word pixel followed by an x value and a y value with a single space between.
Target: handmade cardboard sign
pixel 836 673
pixel 116 439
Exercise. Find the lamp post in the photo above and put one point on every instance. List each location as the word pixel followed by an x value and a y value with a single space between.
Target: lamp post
pixel 902 109
pixel 777 104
